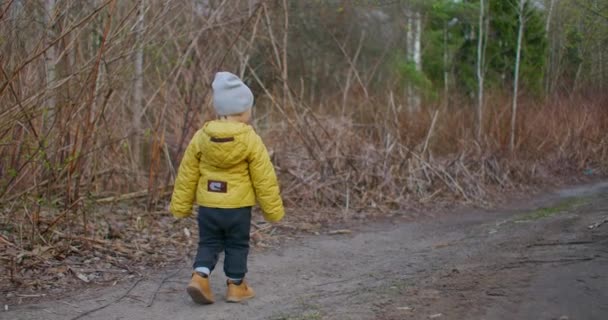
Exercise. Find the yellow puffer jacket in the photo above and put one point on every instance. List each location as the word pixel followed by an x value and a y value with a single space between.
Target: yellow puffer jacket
pixel 226 165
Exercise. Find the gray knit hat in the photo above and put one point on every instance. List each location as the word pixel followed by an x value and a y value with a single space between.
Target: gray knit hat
pixel 230 94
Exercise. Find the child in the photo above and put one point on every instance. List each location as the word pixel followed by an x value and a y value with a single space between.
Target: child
pixel 225 168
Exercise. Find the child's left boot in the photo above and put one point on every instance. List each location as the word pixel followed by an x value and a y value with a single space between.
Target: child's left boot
pixel 238 292
pixel 200 290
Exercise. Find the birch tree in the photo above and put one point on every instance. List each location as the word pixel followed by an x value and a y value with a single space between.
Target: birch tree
pixel 50 62
pixel 549 15
pixel 480 75
pixel 139 79
pixel 414 55
pixel 522 20
pixel 446 75
pixel 551 52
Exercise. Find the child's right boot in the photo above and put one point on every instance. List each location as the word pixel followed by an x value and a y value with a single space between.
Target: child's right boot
pixel 199 289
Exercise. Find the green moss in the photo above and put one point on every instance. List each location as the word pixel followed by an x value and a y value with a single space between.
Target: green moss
pixel 311 315
pixel 561 207
pixel 312 311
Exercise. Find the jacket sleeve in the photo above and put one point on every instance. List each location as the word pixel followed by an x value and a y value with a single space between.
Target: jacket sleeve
pixel 265 181
pixel 188 174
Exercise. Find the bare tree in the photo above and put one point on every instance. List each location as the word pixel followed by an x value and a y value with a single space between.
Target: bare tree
pixel 549 15
pixel 446 87
pixel 139 80
pixel 549 68
pixel 601 66
pixel 417 54
pixel 414 54
pixel 480 75
pixel 50 61
pixel 520 33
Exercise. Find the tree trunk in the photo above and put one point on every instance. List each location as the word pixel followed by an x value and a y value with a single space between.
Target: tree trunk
pixel 601 67
pixel 409 53
pixel 446 78
pixel 480 75
pixel 549 68
pixel 549 15
pixel 139 83
pixel 285 74
pixel 251 4
pixel 417 56
pixel 413 42
pixel 520 34
pixel 50 64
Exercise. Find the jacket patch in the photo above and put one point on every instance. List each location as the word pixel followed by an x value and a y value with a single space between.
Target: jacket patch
pixel 222 140
pixel 217 186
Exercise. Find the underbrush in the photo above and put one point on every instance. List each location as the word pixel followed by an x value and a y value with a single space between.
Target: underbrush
pixel 68 225
pixel 396 158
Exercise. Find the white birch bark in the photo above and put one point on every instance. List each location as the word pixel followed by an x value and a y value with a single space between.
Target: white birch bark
pixel 417 57
pixel 409 53
pixel 414 55
pixel 549 15
pixel 480 75
pixel 50 62
pixel 601 65
pixel 549 71
pixel 446 85
pixel 520 34
pixel 139 78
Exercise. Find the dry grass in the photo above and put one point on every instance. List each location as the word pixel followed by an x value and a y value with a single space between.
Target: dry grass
pixel 394 158
pixel 373 162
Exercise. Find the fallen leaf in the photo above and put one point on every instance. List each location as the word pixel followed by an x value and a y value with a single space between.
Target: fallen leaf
pixel 496 293
pixel 82 277
pixel 441 245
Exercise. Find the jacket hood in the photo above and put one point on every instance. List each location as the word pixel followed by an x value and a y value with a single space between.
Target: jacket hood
pixel 224 143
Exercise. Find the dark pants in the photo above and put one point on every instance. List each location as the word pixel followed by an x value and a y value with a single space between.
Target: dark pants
pixel 224 230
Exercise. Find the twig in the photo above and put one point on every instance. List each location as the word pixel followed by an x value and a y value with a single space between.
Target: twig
pixel 546 244
pixel 259 229
pixel 430 133
pixel 598 224
pixel 134 195
pixel 515 264
pixel 30 295
pixel 67 237
pixel 7 242
pixel 61 216
pixel 188 121
pixel 341 231
pixel 47 181
pixel 8 6
pixel 160 285
pixel 348 60
pixel 109 303
pixel 52 43
pixel 445 177
pixel 595 12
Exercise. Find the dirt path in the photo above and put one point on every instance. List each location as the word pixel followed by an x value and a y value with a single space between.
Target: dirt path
pixel 539 261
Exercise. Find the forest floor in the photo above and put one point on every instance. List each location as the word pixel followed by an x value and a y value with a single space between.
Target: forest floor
pixel 545 258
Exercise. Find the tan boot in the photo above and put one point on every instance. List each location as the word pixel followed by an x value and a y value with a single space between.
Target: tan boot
pixel 238 293
pixel 199 289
